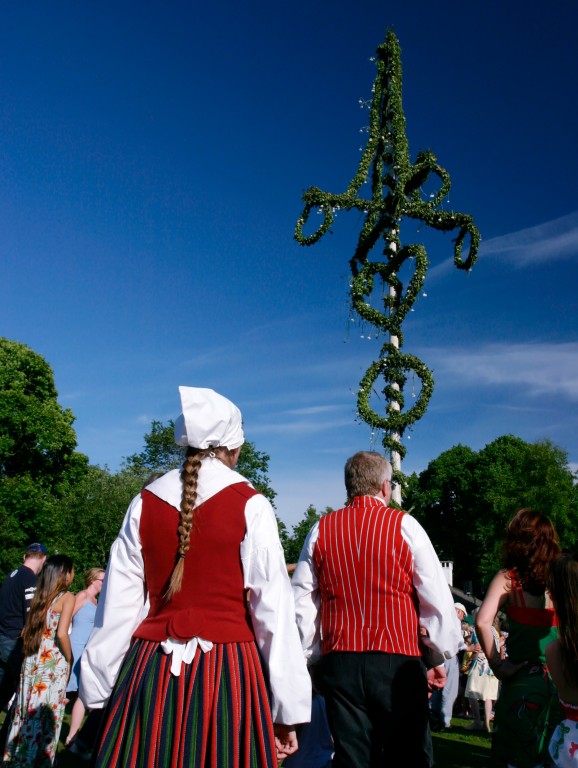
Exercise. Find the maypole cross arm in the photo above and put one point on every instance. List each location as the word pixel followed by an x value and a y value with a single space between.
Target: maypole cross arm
pixel 396 192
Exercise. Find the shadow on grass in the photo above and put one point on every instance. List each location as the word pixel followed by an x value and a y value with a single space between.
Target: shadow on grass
pixel 461 748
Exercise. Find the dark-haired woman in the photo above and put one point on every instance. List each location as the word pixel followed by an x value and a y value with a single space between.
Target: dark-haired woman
pixel 41 694
pixel 215 674
pixel 562 657
pixel 527 710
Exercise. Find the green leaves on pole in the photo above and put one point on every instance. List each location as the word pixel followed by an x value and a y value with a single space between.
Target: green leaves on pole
pixel 396 193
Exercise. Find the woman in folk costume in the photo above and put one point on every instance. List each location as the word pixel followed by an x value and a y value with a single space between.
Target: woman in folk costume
pixel 215 675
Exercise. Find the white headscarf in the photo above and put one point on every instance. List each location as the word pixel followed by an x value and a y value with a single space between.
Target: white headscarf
pixel 208 420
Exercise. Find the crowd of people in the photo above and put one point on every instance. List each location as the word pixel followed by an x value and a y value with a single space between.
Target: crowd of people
pixel 195 648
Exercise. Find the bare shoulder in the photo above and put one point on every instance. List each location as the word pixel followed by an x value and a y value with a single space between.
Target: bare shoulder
pixel 64 601
pixel 500 587
pixel 80 600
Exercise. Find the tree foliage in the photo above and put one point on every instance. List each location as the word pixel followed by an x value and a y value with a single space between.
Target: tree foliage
pixel 38 461
pixel 294 542
pixel 91 516
pixel 465 499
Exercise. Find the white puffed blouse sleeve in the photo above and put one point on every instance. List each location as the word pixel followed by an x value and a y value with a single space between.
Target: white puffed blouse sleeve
pixel 273 615
pixel 308 599
pixel 119 611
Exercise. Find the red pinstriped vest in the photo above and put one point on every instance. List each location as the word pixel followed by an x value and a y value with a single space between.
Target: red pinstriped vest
pixel 211 602
pixel 364 568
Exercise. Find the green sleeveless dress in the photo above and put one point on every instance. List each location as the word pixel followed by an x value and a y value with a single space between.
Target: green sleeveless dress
pixel 527 710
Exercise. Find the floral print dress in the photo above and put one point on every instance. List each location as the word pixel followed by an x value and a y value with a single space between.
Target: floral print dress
pixel 40 702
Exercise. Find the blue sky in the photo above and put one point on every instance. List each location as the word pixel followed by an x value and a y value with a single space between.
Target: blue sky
pixel 152 161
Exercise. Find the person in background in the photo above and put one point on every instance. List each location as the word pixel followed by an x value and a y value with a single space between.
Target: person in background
pixel 82 624
pixel 41 695
pixel 15 599
pixel 367 578
pixel 562 658
pixel 465 658
pixel 315 740
pixel 442 700
pixel 192 682
pixel 482 684
pixel 528 707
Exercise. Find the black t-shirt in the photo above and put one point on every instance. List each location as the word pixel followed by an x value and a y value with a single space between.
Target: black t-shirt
pixel 15 598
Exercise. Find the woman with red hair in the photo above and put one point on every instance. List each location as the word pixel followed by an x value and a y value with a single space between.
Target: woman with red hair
pixel 527 709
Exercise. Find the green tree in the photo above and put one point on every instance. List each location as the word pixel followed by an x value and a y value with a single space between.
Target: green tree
pixel 441 498
pixel 92 513
pixel 464 499
pixel 294 542
pixel 511 474
pixel 38 461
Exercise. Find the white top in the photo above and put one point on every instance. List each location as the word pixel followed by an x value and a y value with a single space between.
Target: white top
pixel 121 606
pixel 436 604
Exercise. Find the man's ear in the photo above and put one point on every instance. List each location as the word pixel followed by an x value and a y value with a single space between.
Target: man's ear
pixel 386 490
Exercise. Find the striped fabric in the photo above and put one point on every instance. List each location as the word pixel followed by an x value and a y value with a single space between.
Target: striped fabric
pixel 364 567
pixel 216 714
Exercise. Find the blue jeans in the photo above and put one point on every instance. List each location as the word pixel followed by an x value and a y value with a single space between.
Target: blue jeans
pixel 10 666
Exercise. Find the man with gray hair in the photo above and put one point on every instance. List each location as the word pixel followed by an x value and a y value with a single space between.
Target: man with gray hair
pixel 371 600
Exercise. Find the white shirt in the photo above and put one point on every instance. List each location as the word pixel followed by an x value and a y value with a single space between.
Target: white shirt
pixel 121 607
pixel 436 605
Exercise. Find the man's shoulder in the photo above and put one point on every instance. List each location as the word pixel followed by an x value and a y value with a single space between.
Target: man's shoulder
pixel 23 576
pixel 363 503
pixel 362 510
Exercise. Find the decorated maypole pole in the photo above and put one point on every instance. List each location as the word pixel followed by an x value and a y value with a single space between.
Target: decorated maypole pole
pixel 396 193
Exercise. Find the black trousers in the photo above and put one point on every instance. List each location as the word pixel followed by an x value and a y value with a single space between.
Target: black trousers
pixel 377 706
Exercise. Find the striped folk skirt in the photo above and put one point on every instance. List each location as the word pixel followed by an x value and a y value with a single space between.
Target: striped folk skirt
pixel 216 714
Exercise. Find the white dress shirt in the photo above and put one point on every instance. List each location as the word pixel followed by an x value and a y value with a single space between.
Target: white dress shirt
pixel 436 606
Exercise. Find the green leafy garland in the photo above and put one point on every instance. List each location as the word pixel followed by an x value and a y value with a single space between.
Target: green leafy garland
pixel 396 186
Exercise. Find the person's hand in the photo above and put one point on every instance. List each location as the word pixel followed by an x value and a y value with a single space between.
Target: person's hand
pixel 474 648
pixel 436 678
pixel 285 740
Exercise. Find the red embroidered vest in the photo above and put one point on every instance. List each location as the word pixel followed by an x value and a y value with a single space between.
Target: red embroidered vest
pixel 364 567
pixel 211 602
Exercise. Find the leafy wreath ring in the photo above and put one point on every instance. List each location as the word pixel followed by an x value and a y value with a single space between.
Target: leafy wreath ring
pixel 394 368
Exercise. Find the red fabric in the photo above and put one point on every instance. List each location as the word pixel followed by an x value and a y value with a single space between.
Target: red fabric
pixel 533 617
pixel 570 711
pixel 210 603
pixel 216 713
pixel 520 612
pixel 364 568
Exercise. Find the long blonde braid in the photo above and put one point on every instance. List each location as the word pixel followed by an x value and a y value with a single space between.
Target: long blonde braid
pixel 190 477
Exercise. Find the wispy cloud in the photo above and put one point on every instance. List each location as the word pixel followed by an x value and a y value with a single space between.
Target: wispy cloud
pixel 300 427
pixel 143 419
pixel 313 410
pixel 538 369
pixel 550 241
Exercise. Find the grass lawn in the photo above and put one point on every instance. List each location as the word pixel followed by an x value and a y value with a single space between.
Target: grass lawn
pixel 458 749
pixel 462 748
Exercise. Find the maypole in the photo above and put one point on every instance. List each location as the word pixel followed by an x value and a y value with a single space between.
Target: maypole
pixel 396 193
